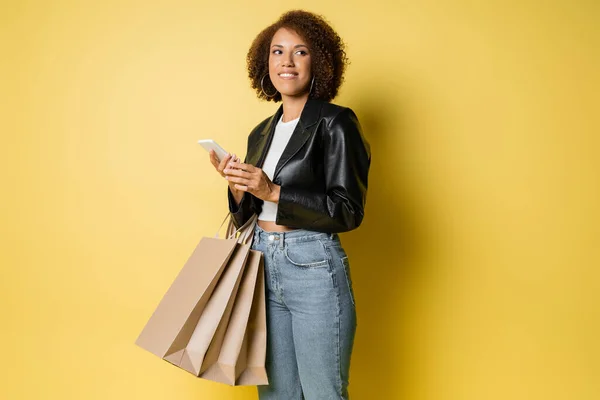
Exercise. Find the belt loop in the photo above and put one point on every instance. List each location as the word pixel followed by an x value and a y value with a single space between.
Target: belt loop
pixel 257 235
pixel 331 236
pixel 281 238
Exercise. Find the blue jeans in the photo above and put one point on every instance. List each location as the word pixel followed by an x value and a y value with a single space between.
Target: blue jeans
pixel 311 315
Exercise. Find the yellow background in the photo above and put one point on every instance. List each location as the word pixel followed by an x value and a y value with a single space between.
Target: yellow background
pixel 476 268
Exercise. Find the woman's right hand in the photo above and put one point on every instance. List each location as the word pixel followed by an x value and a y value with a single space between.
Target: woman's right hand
pixel 221 165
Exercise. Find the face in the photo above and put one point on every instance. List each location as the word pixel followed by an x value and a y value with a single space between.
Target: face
pixel 289 63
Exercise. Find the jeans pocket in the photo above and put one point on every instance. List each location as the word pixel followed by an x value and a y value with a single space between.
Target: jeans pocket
pixel 306 254
pixel 346 265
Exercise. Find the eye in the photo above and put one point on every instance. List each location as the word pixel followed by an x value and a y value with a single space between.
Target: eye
pixel 276 51
pixel 302 52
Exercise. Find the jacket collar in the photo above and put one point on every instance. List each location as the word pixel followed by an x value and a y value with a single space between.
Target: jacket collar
pixel 308 118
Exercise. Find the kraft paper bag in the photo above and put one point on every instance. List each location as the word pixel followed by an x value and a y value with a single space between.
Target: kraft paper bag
pixel 194 314
pixel 255 341
pixel 232 360
pixel 189 348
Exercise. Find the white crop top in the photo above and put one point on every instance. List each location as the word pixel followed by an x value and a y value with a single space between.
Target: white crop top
pixel 283 133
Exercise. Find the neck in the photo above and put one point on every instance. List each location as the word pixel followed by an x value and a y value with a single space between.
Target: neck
pixel 292 106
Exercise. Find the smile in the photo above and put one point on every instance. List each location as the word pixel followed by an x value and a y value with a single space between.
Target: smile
pixel 288 76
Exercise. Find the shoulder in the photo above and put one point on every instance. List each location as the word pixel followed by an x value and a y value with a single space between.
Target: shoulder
pixel 259 131
pixel 331 109
pixel 335 114
pixel 339 119
pixel 342 126
pixel 261 126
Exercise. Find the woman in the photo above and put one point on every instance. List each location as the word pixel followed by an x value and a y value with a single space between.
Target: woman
pixel 305 175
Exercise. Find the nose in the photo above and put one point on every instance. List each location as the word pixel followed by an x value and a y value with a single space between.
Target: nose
pixel 288 60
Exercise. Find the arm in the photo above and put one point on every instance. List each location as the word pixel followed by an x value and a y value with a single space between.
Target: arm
pixel 346 165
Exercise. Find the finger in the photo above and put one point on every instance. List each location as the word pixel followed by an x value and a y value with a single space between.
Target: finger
pixel 243 188
pixel 237 172
pixel 236 179
pixel 234 161
pixel 244 166
pixel 224 161
pixel 214 162
pixel 213 155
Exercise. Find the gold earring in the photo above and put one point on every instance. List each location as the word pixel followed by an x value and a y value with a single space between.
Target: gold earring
pixel 262 88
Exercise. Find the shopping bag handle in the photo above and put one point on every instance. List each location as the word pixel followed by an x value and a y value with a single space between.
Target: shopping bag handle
pixel 246 230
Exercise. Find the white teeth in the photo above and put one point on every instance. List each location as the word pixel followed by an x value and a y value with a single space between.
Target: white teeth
pixel 286 75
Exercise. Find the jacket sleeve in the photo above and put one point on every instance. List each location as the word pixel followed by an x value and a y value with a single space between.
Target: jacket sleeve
pixel 243 211
pixel 347 158
pixel 240 212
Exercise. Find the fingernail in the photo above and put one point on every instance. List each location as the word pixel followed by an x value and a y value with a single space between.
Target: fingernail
pixel 226 170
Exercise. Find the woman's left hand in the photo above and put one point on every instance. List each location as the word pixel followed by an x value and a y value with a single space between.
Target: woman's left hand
pixel 249 178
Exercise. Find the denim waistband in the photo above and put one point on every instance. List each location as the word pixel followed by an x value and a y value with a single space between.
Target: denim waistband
pixel 296 235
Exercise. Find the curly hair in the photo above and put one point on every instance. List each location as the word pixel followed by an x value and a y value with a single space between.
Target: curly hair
pixel 328 55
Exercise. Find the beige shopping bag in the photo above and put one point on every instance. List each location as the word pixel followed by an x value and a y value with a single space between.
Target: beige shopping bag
pixel 194 314
pixel 254 348
pixel 241 359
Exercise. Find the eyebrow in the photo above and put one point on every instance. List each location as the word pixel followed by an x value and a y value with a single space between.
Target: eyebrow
pixel 296 46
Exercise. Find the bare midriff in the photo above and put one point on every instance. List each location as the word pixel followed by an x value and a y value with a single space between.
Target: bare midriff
pixel 271 226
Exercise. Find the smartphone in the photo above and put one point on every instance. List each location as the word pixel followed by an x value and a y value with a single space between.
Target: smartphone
pixel 210 144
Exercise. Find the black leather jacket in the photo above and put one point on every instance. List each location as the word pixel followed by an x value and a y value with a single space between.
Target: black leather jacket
pixel 323 170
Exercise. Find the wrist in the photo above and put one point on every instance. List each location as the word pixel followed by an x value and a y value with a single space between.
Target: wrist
pixel 275 191
pixel 235 192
